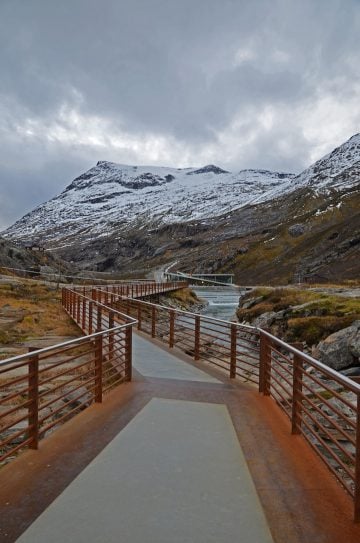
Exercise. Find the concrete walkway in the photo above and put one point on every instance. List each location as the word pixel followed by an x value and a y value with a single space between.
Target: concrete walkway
pixel 175 473
pixel 151 361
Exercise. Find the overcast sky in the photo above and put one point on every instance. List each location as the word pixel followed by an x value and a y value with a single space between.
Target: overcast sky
pixel 239 83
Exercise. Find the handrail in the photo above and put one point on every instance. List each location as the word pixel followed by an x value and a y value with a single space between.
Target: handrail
pixel 188 312
pixel 278 370
pixel 54 383
pixel 330 372
pixel 312 400
pixel 68 343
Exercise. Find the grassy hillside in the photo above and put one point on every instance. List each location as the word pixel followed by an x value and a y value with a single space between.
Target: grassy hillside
pixel 301 315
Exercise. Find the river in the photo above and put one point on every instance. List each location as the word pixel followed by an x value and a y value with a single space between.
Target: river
pixel 222 302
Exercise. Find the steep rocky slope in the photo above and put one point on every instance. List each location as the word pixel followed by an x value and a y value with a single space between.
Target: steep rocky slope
pixel 263 226
pixel 115 199
pixel 18 258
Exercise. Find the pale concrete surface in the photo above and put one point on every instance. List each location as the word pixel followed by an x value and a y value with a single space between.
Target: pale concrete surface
pixel 175 474
pixel 151 361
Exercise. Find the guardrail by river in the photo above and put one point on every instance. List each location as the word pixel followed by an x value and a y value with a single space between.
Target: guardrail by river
pixel 41 389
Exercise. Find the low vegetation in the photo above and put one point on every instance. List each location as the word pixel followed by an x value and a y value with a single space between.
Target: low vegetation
pixel 303 315
pixel 184 296
pixel 31 310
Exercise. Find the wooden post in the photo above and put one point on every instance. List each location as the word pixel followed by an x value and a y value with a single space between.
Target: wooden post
pixel 233 351
pixel 153 321
pixel 33 409
pixel 171 328
pixel 197 338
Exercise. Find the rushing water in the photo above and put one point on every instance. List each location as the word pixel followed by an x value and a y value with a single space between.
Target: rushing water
pixel 222 302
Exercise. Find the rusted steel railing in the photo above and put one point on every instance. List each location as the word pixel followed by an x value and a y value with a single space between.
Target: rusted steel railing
pixel 41 389
pixel 322 404
pixel 232 347
pixel 138 289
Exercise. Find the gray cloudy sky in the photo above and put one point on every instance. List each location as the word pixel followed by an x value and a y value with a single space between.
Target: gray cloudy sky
pixel 241 83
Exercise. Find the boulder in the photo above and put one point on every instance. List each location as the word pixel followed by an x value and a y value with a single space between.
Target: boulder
pixel 296 230
pixel 341 349
pixel 265 320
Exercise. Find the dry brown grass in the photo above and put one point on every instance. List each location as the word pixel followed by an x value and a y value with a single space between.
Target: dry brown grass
pixel 39 312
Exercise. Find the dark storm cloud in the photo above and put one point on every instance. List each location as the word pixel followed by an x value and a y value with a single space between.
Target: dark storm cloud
pixel 268 84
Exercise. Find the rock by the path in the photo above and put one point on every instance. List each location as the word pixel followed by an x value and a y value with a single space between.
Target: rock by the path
pixel 341 349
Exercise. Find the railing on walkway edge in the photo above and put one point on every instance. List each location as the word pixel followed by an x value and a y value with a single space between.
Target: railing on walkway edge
pixel 322 404
pixel 41 389
pixel 46 387
pixel 132 290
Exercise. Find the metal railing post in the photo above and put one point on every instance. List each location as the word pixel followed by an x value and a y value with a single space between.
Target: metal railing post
pixel 171 328
pixel 83 323
pixel 90 317
pixel 78 309
pixel 262 360
pixel 33 409
pixel 99 319
pixel 139 315
pixel 153 321
pixel 111 335
pixel 98 369
pixel 265 364
pixel 128 353
pixel 197 338
pixel 357 464
pixel 233 351
pixel 296 414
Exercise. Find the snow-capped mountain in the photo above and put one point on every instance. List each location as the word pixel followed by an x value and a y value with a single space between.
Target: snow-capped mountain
pixel 118 217
pixel 331 170
pixel 114 197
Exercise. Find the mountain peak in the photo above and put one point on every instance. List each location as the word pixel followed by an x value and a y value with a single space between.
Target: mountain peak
pixel 209 168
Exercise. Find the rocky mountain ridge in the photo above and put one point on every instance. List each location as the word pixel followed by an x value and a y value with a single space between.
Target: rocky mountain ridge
pixel 116 217
pixel 115 198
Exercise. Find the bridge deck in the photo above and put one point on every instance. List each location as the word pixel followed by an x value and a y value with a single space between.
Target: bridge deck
pixel 180 454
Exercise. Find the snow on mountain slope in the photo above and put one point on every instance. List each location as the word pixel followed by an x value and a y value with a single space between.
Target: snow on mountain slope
pixel 331 170
pixel 112 197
